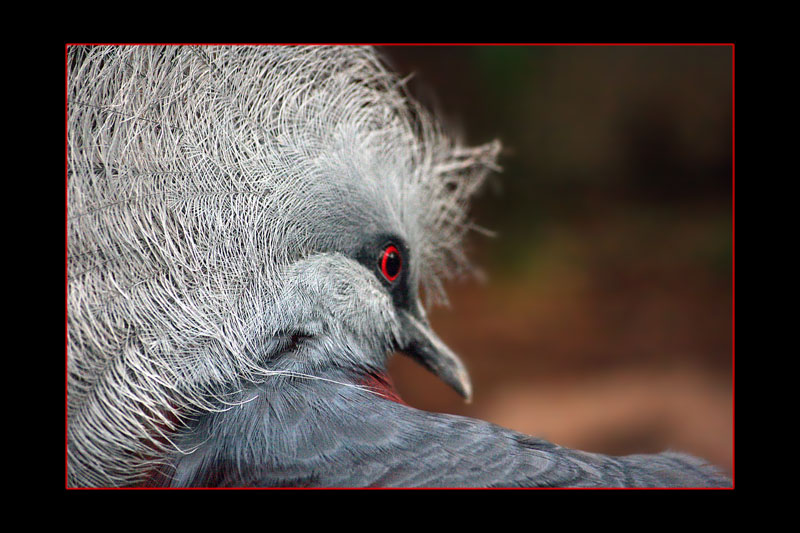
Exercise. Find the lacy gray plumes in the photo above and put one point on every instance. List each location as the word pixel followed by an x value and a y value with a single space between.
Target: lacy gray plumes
pixel 196 177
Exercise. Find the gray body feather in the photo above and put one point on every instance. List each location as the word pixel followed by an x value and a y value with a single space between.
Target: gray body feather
pixel 224 204
pixel 298 432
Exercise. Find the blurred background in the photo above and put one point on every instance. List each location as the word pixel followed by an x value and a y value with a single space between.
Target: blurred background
pixel 605 318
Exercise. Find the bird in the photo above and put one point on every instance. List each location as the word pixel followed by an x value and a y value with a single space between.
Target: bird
pixel 252 232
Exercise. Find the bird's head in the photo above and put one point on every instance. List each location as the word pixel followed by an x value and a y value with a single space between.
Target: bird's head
pixel 355 311
pixel 364 207
pixel 364 240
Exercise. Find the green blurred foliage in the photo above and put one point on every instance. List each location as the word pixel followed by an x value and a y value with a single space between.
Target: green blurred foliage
pixel 635 136
pixel 612 261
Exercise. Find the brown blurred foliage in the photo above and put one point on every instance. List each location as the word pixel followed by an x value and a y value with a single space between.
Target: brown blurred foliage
pixel 605 318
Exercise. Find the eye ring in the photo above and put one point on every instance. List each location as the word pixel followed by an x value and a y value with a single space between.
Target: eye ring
pixel 391 263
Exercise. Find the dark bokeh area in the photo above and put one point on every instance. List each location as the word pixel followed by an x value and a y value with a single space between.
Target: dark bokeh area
pixel 605 318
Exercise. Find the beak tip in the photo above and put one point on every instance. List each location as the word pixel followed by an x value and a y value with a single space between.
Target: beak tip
pixel 464 387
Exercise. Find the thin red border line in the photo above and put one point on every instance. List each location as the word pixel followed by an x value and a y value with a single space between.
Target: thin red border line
pixel 406 488
pixel 733 265
pixel 386 44
pixel 733 198
pixel 66 263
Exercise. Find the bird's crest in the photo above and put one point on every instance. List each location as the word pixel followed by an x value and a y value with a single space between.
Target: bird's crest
pixel 196 176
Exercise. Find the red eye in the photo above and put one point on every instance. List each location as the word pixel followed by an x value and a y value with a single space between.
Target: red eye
pixel 391 263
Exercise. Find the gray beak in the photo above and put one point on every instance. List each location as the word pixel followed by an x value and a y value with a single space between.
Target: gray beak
pixel 423 345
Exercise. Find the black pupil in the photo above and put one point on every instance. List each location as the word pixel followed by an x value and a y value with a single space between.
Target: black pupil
pixel 392 264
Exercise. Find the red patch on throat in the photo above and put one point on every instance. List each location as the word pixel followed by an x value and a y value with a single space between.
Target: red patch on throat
pixel 382 384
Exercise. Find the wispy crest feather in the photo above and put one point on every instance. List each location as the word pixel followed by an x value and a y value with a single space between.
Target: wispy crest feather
pixel 196 175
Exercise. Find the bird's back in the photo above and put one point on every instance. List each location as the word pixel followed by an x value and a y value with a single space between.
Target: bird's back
pixel 328 434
